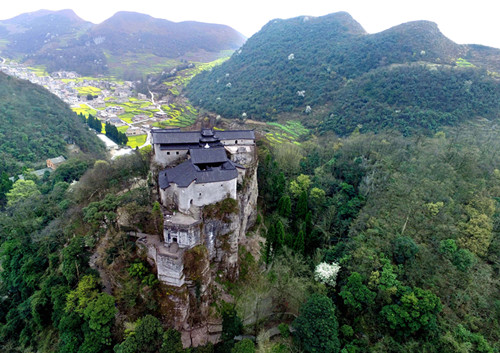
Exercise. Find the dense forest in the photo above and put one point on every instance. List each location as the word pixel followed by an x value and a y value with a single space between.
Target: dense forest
pixel 379 243
pixel 409 229
pixel 410 99
pixel 36 125
pixel 328 68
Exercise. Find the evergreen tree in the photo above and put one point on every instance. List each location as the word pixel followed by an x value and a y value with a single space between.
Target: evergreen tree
pixel 280 235
pixel 308 224
pixel 94 123
pixel 302 206
pixel 271 242
pixel 355 294
pixel 280 185
pixel 285 206
pixel 115 135
pixel 5 186
pixel 299 244
pixel 316 326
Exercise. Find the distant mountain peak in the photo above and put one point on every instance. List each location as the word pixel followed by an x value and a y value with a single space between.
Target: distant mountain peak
pixel 342 21
pixel 30 16
pixel 346 20
pixel 130 15
pixel 68 13
pixel 417 26
pixel 423 35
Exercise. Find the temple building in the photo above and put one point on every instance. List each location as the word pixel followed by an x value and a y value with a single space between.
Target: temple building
pixel 210 170
pixel 202 168
pixel 172 145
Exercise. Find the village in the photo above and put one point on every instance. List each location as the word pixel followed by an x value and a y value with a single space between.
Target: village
pixel 111 101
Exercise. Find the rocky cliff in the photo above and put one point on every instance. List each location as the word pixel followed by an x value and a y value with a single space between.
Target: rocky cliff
pixel 193 275
pixel 224 226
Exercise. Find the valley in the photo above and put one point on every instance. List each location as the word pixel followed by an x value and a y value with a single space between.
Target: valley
pixel 110 100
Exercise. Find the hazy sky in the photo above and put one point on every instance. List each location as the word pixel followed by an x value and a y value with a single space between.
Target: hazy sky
pixel 462 21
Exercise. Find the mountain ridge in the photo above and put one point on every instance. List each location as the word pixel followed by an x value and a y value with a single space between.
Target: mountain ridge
pixel 303 62
pixel 22 18
pixel 60 40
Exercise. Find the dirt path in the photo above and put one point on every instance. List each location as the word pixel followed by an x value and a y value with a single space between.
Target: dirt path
pixel 249 121
pixel 94 263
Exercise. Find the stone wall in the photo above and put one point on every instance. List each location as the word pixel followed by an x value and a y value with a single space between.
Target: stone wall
pixel 197 194
pixel 170 268
pixel 181 229
pixel 168 157
pixel 237 142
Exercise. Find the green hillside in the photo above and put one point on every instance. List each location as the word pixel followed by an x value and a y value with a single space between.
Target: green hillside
pixel 408 77
pixel 408 228
pixel 36 125
pixel 411 98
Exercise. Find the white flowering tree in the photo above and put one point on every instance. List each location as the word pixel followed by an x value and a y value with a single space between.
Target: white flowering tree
pixel 327 273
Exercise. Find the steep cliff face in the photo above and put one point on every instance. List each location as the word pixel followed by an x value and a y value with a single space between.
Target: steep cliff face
pixel 199 250
pixel 224 226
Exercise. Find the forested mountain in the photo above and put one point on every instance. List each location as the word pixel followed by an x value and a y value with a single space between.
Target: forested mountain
pixel 408 77
pixel 385 239
pixel 31 32
pixel 129 31
pixel 60 40
pixel 406 229
pixel 36 125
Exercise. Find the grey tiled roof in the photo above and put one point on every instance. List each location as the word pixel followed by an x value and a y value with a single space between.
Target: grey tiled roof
pixel 208 155
pixel 57 160
pixel 179 146
pixel 236 135
pixel 185 173
pixel 177 137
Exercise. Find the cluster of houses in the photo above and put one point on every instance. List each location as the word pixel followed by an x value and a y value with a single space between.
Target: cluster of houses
pixel 64 85
pixel 52 164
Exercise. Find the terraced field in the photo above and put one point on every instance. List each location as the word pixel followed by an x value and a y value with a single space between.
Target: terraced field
pixel 86 90
pixel 39 71
pixel 89 78
pixel 290 132
pixel 179 116
pixel 132 108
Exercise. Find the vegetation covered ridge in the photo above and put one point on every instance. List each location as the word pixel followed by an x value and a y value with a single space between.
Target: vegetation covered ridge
pixel 328 68
pixel 126 44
